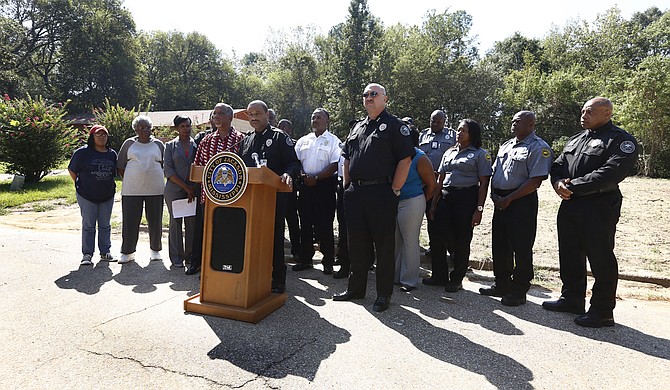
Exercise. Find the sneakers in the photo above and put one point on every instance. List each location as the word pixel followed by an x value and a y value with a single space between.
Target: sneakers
pixel 126 258
pixel 86 260
pixel 155 256
pixel 107 257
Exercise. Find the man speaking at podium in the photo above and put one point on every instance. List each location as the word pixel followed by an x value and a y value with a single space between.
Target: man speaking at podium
pixel 272 147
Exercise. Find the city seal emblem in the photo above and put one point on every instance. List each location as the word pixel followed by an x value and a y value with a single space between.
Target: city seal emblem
pixel 224 178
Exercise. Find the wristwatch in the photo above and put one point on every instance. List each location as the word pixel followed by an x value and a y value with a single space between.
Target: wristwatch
pixel 396 192
pixel 480 208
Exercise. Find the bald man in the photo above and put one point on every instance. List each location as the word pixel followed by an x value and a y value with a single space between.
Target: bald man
pixel 586 177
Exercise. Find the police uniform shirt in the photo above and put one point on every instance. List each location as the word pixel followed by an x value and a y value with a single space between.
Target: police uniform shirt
pixel 435 144
pixel 518 161
pixel 374 147
pixel 316 153
pixel 274 146
pixel 463 168
pixel 596 160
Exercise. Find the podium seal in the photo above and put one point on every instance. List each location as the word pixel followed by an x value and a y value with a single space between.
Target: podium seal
pixel 224 178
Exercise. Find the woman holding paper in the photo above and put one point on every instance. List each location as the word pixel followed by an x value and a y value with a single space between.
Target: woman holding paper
pixel 179 154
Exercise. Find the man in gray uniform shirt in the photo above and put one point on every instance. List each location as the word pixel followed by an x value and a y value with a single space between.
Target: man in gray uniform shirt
pixel 520 167
pixel 434 141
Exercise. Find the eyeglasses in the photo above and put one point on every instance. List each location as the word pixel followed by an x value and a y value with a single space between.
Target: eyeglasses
pixel 373 94
pixel 100 135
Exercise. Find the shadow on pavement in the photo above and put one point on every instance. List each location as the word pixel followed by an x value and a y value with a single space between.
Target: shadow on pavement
pixel 89 280
pixel 299 338
pixel 86 279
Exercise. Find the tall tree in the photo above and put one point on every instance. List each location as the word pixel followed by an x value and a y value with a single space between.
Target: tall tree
pixel 350 50
pixel 99 58
pixel 184 71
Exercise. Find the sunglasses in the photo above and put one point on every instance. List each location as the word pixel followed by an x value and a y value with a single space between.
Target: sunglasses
pixel 373 94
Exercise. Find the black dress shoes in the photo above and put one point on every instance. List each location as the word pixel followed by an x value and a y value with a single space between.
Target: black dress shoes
pixel 278 288
pixel 513 300
pixel 342 273
pixel 432 281
pixel 192 270
pixel 563 305
pixel 302 266
pixel 381 304
pixel 327 269
pixel 406 288
pixel 347 296
pixel 493 291
pixel 593 320
pixel 453 287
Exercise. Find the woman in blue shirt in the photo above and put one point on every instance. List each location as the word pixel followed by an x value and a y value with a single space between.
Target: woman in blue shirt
pixel 417 190
pixel 93 168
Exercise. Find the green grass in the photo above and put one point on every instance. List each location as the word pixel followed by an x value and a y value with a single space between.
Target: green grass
pixel 59 187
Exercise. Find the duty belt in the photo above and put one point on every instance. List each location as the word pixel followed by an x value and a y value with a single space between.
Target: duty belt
pixel 381 180
pixel 503 192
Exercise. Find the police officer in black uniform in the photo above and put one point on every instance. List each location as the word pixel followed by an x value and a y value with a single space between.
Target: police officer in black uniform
pixel 272 147
pixel 378 155
pixel 586 176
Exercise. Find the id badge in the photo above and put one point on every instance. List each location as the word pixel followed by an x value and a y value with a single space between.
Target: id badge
pixel 434 145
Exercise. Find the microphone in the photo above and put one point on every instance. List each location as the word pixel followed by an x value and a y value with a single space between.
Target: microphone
pixel 254 156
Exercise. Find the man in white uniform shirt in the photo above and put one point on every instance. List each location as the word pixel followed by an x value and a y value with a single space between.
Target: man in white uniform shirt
pixel 319 153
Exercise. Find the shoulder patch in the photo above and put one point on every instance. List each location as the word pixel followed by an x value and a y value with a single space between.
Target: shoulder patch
pixel 289 141
pixel 404 130
pixel 487 156
pixel 627 147
pixel 545 153
pixel 268 142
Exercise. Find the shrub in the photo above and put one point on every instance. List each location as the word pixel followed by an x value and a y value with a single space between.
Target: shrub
pixel 118 120
pixel 34 138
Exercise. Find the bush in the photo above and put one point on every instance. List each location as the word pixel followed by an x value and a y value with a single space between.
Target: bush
pixel 118 121
pixel 34 138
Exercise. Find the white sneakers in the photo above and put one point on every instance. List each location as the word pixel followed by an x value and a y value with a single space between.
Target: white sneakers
pixel 127 258
pixel 86 260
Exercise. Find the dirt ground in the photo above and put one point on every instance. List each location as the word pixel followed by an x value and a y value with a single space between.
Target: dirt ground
pixel 642 246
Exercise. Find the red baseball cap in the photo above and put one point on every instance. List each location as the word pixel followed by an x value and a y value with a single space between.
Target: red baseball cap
pixel 97 128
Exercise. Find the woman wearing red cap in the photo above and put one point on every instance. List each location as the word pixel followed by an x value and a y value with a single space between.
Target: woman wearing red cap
pixel 93 168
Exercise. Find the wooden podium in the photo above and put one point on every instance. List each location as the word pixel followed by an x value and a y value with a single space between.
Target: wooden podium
pixel 237 247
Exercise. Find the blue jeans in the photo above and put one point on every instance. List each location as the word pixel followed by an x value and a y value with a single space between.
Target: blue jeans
pixel 92 213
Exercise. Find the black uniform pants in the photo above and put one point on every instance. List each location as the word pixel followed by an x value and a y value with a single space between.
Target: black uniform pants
pixel 371 218
pixel 317 213
pixel 586 228
pixel 342 245
pixel 453 230
pixel 278 263
pixel 513 236
pixel 293 224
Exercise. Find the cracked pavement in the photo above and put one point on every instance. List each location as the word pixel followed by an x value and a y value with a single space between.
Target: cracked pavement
pixel 115 326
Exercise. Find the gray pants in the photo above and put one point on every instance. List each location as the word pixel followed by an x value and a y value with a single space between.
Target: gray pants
pixel 131 211
pixel 407 230
pixel 180 243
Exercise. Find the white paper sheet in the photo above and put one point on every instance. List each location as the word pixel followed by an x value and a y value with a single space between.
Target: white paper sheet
pixel 181 208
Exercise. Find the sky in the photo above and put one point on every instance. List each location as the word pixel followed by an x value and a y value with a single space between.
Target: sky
pixel 239 27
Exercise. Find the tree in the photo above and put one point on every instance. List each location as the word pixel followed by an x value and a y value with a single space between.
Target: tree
pixel 348 51
pixel 99 58
pixel 184 71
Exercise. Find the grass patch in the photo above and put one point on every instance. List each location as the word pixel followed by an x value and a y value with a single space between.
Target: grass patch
pixel 53 187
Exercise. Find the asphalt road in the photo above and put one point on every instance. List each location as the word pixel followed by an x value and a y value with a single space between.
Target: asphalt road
pixel 111 326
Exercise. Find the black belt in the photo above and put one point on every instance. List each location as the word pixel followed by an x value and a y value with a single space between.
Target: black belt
pixel 381 180
pixel 503 192
pixel 454 188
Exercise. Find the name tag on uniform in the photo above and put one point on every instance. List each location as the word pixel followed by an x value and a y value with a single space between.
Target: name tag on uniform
pixel 434 145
